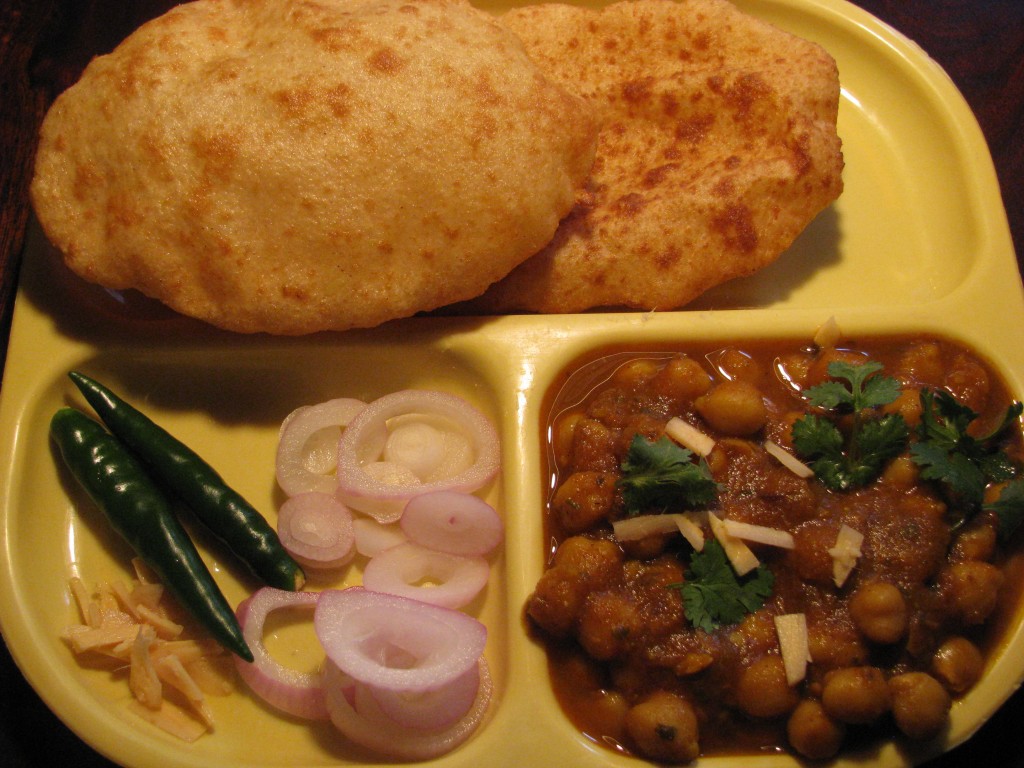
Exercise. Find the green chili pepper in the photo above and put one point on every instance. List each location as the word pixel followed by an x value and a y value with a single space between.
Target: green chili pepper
pixel 188 477
pixel 140 512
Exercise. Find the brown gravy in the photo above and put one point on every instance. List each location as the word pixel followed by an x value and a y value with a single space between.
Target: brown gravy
pixel 615 628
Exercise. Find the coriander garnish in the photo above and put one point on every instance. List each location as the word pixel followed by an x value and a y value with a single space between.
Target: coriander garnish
pixel 662 476
pixel 712 593
pixel 963 465
pixel 848 461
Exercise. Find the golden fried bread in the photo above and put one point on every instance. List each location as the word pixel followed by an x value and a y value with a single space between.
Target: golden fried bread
pixel 290 167
pixel 718 146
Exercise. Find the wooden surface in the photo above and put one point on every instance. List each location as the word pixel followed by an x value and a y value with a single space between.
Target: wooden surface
pixel 44 44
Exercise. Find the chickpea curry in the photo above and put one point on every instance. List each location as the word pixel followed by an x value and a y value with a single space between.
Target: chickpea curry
pixel 770 546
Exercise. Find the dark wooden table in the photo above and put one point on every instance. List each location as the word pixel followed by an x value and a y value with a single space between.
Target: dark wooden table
pixel 44 44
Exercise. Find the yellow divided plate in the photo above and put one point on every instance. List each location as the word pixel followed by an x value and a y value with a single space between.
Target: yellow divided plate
pixel 918 242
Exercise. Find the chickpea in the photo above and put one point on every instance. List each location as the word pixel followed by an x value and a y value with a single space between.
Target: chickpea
pixel 817 373
pixel 606 623
pixel 781 430
pixel 958 664
pixel 682 380
pixel 856 694
pixel 793 368
pixel 645 425
pixel 594 562
pixel 836 647
pixel 923 363
pixel 692 663
pixel 733 408
pixel 630 677
pixel 977 541
pixel 992 493
pixel 581 565
pixel 809 557
pixel 580 673
pixel 920 705
pixel 971 590
pixel 879 612
pixel 755 634
pixel 556 602
pixel 636 373
pixel 812 732
pixel 664 727
pixel 593 446
pixel 718 460
pixel 563 433
pixel 907 405
pixel 607 713
pixel 583 499
pixel 762 690
pixel 901 473
pixel 968 381
pixel 737 365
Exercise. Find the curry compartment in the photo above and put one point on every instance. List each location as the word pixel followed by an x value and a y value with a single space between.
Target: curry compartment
pixel 928 597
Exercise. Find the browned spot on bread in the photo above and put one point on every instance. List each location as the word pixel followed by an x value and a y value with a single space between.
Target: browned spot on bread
pixel 217 154
pixel 385 61
pixel 735 225
pixel 694 130
pixel 629 205
pixel 656 176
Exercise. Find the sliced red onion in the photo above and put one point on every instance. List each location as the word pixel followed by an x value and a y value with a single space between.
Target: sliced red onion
pixel 307 449
pixel 354 711
pixel 419 573
pixel 293 692
pixel 429 710
pixel 373 538
pixel 396 643
pixel 451 521
pixel 427 446
pixel 364 442
pixel 317 531
pixel 389 473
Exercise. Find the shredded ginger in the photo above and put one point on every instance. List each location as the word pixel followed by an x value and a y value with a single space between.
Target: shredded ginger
pixel 169 675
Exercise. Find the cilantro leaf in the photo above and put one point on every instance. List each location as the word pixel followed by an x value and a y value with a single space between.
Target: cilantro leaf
pixel 878 441
pixel 713 595
pixel 944 421
pixel 1013 413
pixel 956 470
pixel 821 441
pixel 961 464
pixel 662 475
pixel 997 467
pixel 839 462
pixel 1009 508
pixel 830 394
pixel 865 390
pixel 815 436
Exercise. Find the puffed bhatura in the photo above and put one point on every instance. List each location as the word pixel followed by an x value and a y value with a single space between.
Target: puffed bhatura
pixel 718 146
pixel 290 167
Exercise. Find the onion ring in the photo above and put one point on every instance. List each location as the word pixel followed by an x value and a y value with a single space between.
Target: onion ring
pixel 419 573
pixel 430 710
pixel 307 448
pixel 316 529
pixel 372 729
pixel 363 442
pixel 450 521
pixel 372 537
pixel 429 452
pixel 293 692
pixel 395 643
